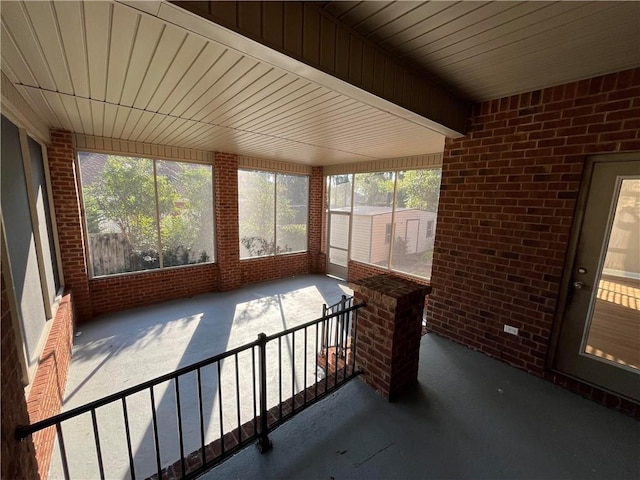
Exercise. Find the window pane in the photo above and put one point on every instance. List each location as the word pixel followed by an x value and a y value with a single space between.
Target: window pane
pixel 256 208
pixel 373 197
pixel 38 178
pixel 185 200
pixel 292 206
pixel 340 192
pixel 415 218
pixel 21 245
pixel 120 210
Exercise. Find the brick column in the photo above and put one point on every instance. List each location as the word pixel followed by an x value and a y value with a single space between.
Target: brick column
pixel 389 332
pixel 227 229
pixel 66 202
pixel 316 221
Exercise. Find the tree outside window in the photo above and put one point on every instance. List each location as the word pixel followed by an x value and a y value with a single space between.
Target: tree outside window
pixel 145 214
pixel 272 213
pixel 394 218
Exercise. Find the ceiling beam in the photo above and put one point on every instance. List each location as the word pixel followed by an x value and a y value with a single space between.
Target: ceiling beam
pixel 310 35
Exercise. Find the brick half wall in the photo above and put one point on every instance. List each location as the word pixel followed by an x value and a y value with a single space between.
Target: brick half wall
pixel 263 269
pixel 47 393
pixel 22 459
pixel 18 458
pixel 118 292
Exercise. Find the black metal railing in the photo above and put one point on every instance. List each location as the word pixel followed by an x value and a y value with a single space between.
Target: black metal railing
pixel 337 333
pixel 250 384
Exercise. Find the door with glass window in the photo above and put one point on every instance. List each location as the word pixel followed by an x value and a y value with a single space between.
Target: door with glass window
pixel 599 340
pixel 339 189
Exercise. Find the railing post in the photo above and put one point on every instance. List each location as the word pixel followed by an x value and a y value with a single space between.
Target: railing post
pixel 264 443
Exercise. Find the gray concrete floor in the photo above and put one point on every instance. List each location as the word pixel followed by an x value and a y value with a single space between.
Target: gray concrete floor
pixel 124 349
pixel 470 417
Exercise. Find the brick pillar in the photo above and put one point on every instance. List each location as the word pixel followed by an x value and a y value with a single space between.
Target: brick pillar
pixel 66 202
pixel 18 458
pixel 389 332
pixel 316 219
pixel 227 229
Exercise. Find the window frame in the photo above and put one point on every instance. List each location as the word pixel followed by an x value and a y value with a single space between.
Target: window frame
pixel 390 244
pixel 153 159
pixel 276 173
pixel 50 305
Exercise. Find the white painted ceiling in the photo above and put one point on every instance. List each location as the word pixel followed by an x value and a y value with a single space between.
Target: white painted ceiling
pixel 151 72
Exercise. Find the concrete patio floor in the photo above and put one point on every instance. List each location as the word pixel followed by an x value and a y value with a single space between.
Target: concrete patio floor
pixel 471 417
pixel 123 349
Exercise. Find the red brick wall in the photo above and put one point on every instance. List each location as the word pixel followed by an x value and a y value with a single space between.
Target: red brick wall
pixel 509 189
pixel 18 458
pixel 316 221
pixel 389 331
pixel 271 268
pixel 49 383
pixel 66 204
pixel 227 230
pixel 127 291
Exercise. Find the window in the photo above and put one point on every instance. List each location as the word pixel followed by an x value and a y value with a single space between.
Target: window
pixel 273 210
pixel 372 212
pixel 430 228
pixel 144 214
pixel 30 263
pixel 394 218
pixel 387 234
pixel 41 198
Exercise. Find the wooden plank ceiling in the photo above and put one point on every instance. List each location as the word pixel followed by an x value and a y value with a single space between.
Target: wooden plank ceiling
pixel 152 72
pixel 110 70
pixel 486 50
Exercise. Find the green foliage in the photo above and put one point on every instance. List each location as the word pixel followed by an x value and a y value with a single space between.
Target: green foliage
pixel 419 189
pixel 293 237
pixel 427 255
pixel 260 246
pixel 124 199
pixel 374 189
pixel 181 228
pixel 92 210
pixel 399 247
pixel 257 222
pixel 256 205
pixel 340 191
pixel 415 189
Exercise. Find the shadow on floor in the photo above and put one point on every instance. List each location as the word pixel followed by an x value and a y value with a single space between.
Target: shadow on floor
pixel 124 349
pixel 471 416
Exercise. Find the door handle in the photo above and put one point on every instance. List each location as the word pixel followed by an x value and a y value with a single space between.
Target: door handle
pixel 578 285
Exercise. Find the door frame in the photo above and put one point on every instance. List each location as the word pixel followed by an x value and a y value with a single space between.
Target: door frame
pixel 333 268
pixel 572 250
